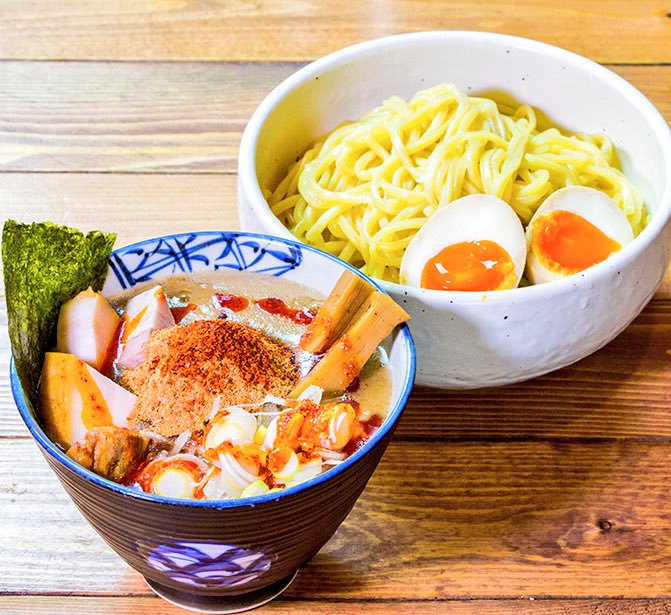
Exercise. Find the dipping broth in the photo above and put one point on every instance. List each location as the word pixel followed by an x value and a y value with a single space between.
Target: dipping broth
pixel 205 367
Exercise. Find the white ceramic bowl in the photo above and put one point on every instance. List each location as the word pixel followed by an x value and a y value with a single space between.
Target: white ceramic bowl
pixel 465 340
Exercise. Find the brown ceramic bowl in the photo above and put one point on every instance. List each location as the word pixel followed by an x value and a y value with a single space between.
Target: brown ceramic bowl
pixel 224 555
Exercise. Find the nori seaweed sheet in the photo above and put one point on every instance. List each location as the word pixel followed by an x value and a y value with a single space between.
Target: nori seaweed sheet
pixel 45 265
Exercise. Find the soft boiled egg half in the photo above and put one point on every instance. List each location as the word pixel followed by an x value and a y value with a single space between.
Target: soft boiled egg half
pixel 576 227
pixel 475 243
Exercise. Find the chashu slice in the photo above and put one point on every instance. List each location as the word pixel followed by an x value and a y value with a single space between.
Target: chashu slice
pixel 86 327
pixel 145 313
pixel 110 451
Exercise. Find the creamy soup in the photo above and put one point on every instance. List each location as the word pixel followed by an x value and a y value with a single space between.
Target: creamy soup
pixel 209 366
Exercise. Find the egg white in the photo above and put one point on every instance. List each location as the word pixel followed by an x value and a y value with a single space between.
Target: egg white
pixel 476 217
pixel 594 206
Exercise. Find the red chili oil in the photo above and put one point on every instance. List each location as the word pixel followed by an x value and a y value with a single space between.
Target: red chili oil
pixel 235 303
pixel 132 476
pixel 112 352
pixel 354 386
pixel 372 424
pixel 275 306
pixel 369 428
pixel 180 311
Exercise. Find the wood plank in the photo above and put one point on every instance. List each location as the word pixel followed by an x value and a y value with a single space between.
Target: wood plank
pixel 118 605
pixel 619 392
pixel 73 29
pixel 133 206
pixel 477 520
pixel 128 117
pixel 158 117
pixel 139 206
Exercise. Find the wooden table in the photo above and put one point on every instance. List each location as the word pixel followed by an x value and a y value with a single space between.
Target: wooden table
pixel 549 496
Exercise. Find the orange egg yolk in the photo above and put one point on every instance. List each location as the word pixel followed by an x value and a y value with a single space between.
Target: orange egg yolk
pixel 566 243
pixel 470 265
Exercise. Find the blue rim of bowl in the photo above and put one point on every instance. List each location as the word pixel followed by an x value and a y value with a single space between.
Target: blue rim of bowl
pixel 654 227
pixel 390 420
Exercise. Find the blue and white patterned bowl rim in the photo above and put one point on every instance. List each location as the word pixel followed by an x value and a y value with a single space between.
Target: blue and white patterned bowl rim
pixel 178 253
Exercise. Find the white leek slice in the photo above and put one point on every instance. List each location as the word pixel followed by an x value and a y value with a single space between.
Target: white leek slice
pixel 341 427
pixel 258 487
pixel 287 471
pixel 306 471
pixel 234 425
pixel 313 393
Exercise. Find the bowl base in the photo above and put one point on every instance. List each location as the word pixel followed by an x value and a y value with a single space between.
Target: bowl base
pixel 221 604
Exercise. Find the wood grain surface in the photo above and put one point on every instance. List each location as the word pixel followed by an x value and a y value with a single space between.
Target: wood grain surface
pixel 121 605
pixel 186 117
pixel 549 496
pixel 580 519
pixel 619 31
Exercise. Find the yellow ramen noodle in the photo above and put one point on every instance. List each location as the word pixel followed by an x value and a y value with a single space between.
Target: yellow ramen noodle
pixel 363 192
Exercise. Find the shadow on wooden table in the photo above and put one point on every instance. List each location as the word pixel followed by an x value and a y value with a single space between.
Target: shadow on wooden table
pixel 549 487
pixel 614 393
